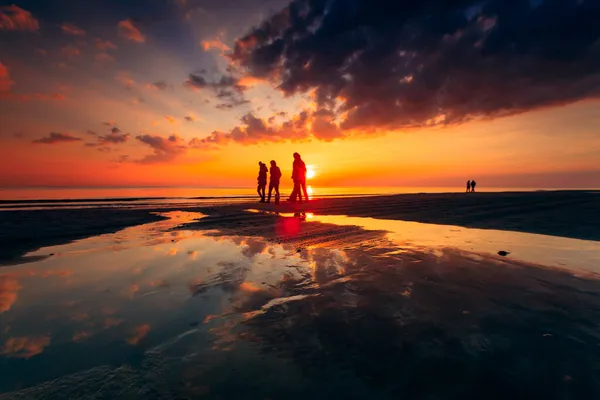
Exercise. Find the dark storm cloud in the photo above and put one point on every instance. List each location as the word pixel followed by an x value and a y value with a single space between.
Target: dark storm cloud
pixel 56 137
pixel 410 64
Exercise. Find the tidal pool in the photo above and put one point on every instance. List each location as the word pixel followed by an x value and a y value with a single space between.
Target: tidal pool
pixel 391 309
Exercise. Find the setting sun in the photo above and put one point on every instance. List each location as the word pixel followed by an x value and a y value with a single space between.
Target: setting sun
pixel 310 172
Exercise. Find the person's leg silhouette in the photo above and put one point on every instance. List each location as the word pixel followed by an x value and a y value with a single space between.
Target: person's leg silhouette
pixel 276 187
pixel 304 191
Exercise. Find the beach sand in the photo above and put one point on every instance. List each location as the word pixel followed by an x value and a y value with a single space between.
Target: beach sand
pixel 573 214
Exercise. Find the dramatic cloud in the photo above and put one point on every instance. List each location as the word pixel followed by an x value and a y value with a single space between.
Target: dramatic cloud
pixel 392 65
pixel 165 149
pixel 5 81
pixel 104 45
pixel 128 30
pixel 71 29
pixel 228 89
pixel 55 137
pixel 13 18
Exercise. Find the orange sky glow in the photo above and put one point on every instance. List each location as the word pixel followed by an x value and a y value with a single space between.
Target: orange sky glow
pixel 131 102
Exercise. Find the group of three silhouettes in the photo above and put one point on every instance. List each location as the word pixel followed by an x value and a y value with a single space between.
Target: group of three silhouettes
pixel 298 177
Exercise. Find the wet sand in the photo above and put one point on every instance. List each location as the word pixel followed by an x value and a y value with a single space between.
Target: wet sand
pixel 574 214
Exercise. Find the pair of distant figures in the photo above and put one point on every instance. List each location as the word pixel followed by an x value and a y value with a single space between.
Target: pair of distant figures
pixel 471 186
pixel 298 177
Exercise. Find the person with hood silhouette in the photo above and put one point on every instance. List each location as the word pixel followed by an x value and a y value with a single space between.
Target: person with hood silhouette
pixel 274 181
pixel 299 179
pixel 262 180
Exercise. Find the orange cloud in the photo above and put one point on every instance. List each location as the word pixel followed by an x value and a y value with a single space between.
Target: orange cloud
pixel 13 18
pixel 71 29
pixel 128 30
pixel 170 119
pixel 5 82
pixel 25 347
pixel 215 43
pixel 250 81
pixel 139 333
pixel 105 45
pixel 249 287
pixel 9 287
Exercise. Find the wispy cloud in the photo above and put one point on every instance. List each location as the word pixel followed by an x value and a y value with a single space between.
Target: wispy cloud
pixel 104 45
pixel 56 137
pixel 128 30
pixel 71 29
pixel 13 18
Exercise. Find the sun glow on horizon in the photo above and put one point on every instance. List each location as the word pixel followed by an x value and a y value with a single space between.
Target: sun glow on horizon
pixel 310 172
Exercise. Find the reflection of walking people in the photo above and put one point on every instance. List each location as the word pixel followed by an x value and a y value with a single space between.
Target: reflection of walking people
pixel 274 181
pixel 299 178
pixel 468 186
pixel 473 183
pixel 262 181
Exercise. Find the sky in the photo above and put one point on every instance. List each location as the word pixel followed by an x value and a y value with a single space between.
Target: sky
pixel 369 92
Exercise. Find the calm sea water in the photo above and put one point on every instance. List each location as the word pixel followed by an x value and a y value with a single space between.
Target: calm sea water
pixel 41 193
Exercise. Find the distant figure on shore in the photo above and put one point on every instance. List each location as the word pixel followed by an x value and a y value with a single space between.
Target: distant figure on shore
pixel 473 184
pixel 468 186
pixel 262 180
pixel 299 178
pixel 274 181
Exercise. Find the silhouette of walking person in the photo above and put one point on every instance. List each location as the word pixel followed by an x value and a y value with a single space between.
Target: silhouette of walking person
pixel 468 186
pixel 274 181
pixel 299 179
pixel 262 180
pixel 473 184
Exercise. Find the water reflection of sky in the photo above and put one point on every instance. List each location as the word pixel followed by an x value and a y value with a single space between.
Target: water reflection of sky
pixel 223 315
